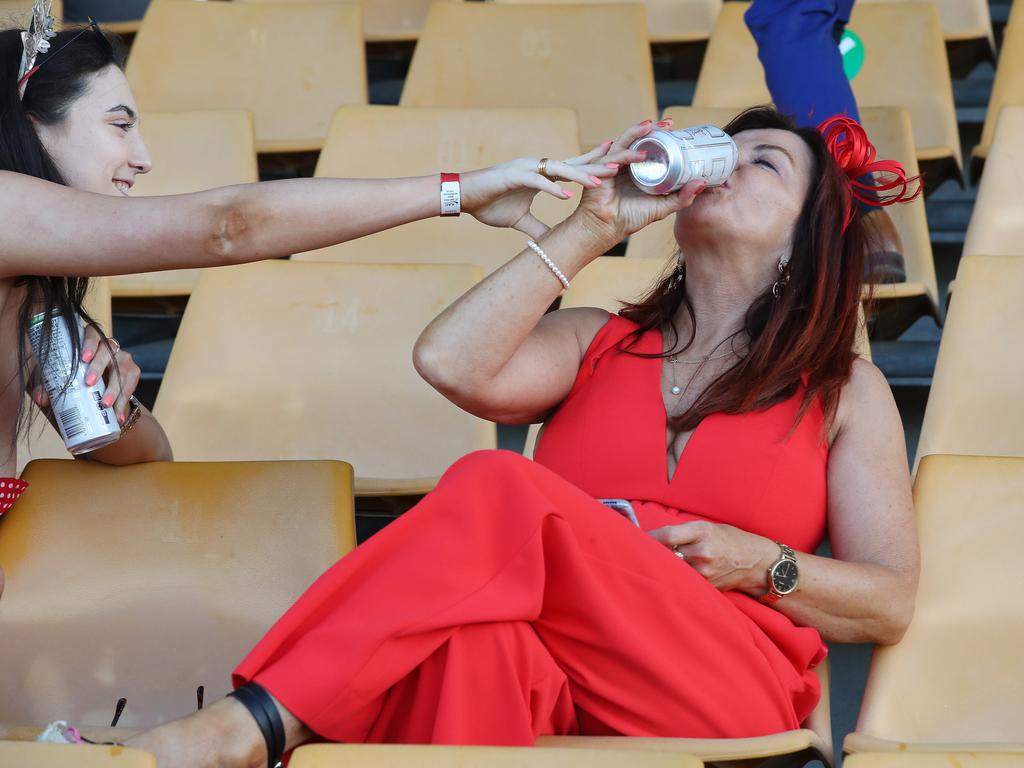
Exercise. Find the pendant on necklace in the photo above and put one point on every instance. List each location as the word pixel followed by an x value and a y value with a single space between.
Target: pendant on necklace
pixel 676 390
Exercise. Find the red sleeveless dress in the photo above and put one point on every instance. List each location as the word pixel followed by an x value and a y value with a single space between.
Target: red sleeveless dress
pixel 511 604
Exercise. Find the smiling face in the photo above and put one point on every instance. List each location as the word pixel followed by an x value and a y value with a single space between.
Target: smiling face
pixel 759 206
pixel 97 146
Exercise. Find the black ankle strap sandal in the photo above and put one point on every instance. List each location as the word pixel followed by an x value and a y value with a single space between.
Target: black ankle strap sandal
pixel 264 711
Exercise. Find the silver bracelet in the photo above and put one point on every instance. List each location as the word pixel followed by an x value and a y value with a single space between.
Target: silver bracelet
pixel 550 264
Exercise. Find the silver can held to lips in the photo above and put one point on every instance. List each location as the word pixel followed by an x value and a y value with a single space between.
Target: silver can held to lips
pixel 84 423
pixel 675 158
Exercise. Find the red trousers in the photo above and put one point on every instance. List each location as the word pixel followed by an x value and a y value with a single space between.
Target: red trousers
pixel 508 604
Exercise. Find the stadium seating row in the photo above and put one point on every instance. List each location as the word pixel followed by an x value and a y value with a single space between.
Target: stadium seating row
pixel 192 403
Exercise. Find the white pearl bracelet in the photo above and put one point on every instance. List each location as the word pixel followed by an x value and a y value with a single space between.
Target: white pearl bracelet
pixel 550 264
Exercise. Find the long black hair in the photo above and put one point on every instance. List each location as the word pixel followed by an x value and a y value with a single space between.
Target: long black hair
pixel 74 57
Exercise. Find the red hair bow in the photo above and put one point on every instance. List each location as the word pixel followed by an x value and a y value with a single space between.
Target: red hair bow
pixel 848 142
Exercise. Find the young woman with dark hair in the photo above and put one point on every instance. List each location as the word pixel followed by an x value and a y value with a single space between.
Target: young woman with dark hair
pixel 70 148
pixel 728 409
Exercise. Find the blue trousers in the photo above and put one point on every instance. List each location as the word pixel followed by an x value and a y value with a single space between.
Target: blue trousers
pixel 797 42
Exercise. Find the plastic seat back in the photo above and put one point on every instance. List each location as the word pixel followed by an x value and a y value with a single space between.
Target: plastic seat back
pixel 146 581
pixel 290 64
pixel 974 403
pixel 954 681
pixel 313 360
pixel 900 70
pixel 496 55
pixel 382 142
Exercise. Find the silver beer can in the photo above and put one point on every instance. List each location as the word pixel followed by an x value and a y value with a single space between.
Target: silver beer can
pixel 675 158
pixel 84 423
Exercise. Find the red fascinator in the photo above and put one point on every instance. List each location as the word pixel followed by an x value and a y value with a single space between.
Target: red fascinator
pixel 848 142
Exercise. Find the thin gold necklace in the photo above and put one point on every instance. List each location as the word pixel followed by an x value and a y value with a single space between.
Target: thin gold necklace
pixel 676 389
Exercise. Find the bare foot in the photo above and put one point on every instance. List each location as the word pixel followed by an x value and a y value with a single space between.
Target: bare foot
pixel 223 735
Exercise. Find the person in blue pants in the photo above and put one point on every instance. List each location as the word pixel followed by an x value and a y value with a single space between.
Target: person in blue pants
pixel 798 45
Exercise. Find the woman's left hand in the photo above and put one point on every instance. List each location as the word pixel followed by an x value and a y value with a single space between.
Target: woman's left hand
pixel 501 196
pixel 114 365
pixel 728 557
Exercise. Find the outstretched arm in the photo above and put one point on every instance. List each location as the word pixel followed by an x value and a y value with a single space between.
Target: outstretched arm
pixel 54 230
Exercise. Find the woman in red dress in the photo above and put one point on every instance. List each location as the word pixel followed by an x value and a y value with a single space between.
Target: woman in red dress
pixel 728 407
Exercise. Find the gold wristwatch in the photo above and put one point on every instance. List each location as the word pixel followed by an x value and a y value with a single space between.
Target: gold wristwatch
pixel 783 576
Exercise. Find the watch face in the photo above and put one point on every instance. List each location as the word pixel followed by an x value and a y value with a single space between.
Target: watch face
pixel 784 576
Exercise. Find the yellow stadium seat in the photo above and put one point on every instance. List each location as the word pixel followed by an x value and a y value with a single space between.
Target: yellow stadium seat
pixel 934 760
pixel 399 756
pixel 974 402
pixel 368 142
pixel 17 13
pixel 495 55
pixel 313 360
pixel 812 742
pixel 21 754
pixel 149 580
pixel 1008 88
pixel 900 70
pixel 388 21
pixel 290 64
pixel 42 441
pixel 668 21
pixel 191 151
pixel 967 27
pixel 953 684
pixel 898 304
pixel 997 222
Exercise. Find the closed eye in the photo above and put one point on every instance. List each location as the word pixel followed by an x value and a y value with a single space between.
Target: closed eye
pixel 762 161
pixel 125 126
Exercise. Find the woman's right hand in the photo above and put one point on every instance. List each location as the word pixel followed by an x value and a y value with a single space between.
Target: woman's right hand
pixel 617 208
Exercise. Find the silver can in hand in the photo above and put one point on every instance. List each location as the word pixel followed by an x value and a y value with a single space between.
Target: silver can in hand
pixel 84 423
pixel 675 158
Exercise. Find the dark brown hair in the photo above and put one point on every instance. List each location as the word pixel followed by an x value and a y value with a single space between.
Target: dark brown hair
pixel 810 329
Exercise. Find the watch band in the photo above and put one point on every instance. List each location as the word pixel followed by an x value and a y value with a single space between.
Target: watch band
pixel 772 596
pixel 133 415
pixel 451 194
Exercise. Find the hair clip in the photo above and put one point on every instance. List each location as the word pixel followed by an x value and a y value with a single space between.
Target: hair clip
pixel 848 143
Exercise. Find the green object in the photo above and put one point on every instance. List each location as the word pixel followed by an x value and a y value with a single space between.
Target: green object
pixel 852 49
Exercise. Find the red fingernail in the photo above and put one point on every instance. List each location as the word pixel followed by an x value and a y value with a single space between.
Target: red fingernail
pixel 566 193
pixel 120 418
pixel 595 180
pixel 88 355
pixel 642 152
pixel 646 122
pixel 90 379
pixel 664 124
pixel 107 401
pixel 613 166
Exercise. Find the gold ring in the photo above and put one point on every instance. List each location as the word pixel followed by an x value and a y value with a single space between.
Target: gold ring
pixel 542 168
